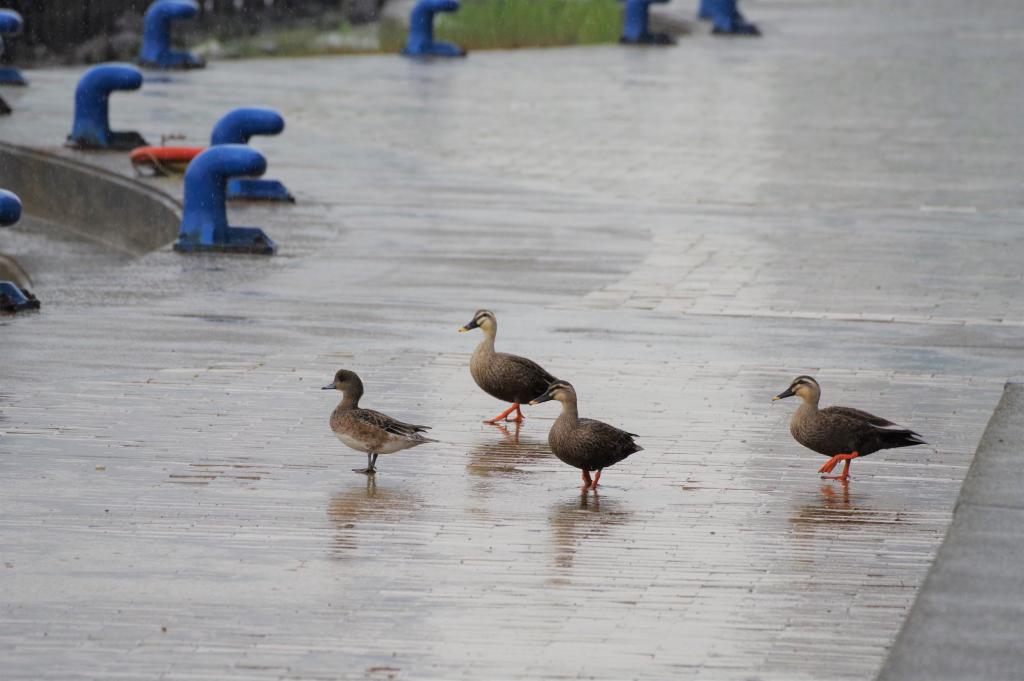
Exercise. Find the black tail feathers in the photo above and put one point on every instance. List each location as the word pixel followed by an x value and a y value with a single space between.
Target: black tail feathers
pixel 901 438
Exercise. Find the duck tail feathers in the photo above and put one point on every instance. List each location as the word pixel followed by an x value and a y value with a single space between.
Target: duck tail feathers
pixel 902 438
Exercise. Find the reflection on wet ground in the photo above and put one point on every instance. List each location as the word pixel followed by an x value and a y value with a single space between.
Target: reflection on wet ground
pixel 585 521
pixel 836 508
pixel 511 454
pixel 650 264
pixel 376 512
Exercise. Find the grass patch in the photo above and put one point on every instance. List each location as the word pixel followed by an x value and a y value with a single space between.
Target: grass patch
pixel 511 24
pixel 477 25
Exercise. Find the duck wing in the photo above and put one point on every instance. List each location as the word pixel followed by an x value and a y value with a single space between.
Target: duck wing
pixel 615 441
pixel 859 415
pixel 389 425
pixel 527 374
pixel 866 417
pixel 864 432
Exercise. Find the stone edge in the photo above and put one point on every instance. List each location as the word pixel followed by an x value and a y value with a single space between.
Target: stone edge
pixel 968 617
pixel 107 208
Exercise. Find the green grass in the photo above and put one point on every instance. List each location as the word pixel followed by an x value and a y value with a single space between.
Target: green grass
pixel 510 24
pixel 478 25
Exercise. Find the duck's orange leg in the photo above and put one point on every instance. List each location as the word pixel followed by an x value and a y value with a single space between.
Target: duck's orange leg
pixel 597 476
pixel 513 408
pixel 519 414
pixel 587 482
pixel 846 459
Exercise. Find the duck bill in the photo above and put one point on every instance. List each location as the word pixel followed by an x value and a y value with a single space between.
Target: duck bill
pixel 546 397
pixel 328 387
pixel 783 395
pixel 469 327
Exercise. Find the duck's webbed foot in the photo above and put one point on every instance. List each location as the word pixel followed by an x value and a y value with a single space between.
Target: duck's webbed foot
pixel 597 476
pixel 504 415
pixel 831 463
pixel 587 482
pixel 371 465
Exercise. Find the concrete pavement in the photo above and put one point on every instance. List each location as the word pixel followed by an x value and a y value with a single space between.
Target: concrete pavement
pixel 679 232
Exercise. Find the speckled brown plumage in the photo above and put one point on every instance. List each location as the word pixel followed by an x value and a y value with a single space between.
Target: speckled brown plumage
pixel 836 431
pixel 366 430
pixel 509 378
pixel 587 444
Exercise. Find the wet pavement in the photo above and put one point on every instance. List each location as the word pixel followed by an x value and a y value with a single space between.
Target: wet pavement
pixel 678 232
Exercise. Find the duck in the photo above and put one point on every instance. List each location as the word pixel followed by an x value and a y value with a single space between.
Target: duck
pixel 509 378
pixel 587 444
pixel 841 433
pixel 367 430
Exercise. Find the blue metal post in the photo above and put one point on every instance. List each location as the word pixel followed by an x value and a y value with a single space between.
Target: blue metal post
pixel 10 208
pixel 12 297
pixel 204 221
pixel 91 127
pixel 727 20
pixel 703 10
pixel 10 24
pixel 634 25
pixel 156 49
pixel 420 42
pixel 236 127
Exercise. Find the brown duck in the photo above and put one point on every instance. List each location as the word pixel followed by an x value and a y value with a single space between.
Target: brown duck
pixel 841 433
pixel 509 378
pixel 367 430
pixel 584 443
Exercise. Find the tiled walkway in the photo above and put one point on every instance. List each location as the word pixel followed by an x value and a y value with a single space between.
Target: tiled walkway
pixel 678 232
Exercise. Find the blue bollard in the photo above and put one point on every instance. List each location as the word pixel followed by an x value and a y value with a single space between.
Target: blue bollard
pixel 420 42
pixel 91 127
pixel 10 208
pixel 13 298
pixel 704 11
pixel 204 221
pixel 236 127
pixel 156 49
pixel 634 25
pixel 727 20
pixel 10 24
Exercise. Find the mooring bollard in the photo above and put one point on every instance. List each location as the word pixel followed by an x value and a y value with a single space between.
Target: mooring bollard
pixel 726 18
pixel 12 297
pixel 420 42
pixel 156 49
pixel 703 11
pixel 204 221
pixel 91 127
pixel 634 25
pixel 236 127
pixel 10 24
pixel 10 208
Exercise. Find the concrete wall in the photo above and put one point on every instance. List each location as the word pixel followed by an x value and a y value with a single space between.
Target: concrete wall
pixel 97 204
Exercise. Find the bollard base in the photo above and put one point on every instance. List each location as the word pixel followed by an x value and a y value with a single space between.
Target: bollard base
pixel 12 76
pixel 14 299
pixel 737 28
pixel 727 19
pixel 434 49
pixel 115 141
pixel 250 240
pixel 180 61
pixel 649 39
pixel 258 190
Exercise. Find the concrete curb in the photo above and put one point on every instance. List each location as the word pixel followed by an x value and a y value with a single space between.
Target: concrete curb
pixel 102 206
pixel 968 619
